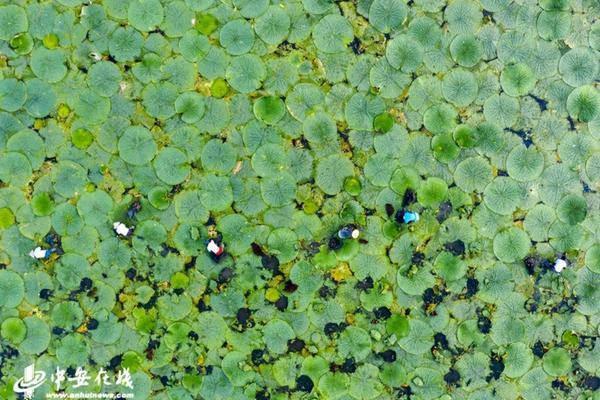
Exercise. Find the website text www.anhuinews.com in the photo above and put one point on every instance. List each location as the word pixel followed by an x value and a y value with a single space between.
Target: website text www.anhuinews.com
pixel 90 395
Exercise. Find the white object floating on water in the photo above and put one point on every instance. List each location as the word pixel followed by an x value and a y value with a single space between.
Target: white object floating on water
pixel 38 253
pixel 122 229
pixel 559 265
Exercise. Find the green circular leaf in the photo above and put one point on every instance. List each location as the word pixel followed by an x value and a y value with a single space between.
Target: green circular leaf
pixel 246 73
pixel 440 118
pixel 13 288
pixel 282 243
pixel 269 109
pixel 592 258
pixel 511 245
pixel 432 192
pixel 466 50
pixel 91 107
pixel 191 106
pixel 41 98
pixel 66 315
pixel 269 160
pixel 37 338
pixel 459 88
pixel 473 174
pixel 216 193
pixel 29 143
pixel 387 15
pixel 518 360
pixel 501 110
pixel 171 166
pixel 273 26
pixel 419 339
pixel 137 146
pixel 48 65
pixel 331 173
pixel 95 207
pixel 13 20
pixel 68 177
pixel 463 16
pixel 553 25
pixel 361 110
pixel 502 195
pixel 15 169
pixel 572 209
pixel 538 220
pixel 145 15
pixel 159 100
pixel 278 190
pixel 66 220
pixel 579 66
pixel 125 44
pixel 524 163
pixel 584 103
pixel 404 53
pixel 13 329
pixel 13 94
pixel 354 342
pixel 517 79
pixel 557 361
pixel 332 34
pixel 319 128
pixel 237 37
pixel 104 78
pixel 304 98
pixel 251 8
pixel 218 157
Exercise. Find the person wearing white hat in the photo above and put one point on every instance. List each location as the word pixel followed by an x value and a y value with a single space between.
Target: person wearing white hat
pixel 560 264
pixel 215 247
pixel 38 253
pixel 121 229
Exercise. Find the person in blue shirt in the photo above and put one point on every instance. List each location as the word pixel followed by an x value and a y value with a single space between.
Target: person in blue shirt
pixel 53 240
pixel 348 231
pixel 133 209
pixel 38 253
pixel 404 216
